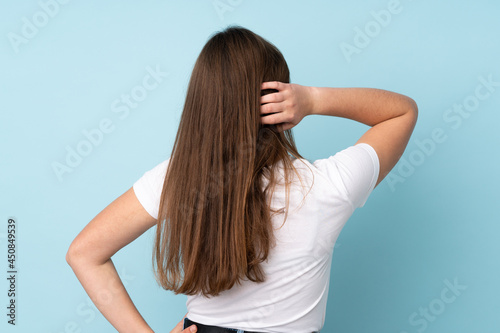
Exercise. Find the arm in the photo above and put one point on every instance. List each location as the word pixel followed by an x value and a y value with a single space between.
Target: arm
pixel 89 255
pixel 392 116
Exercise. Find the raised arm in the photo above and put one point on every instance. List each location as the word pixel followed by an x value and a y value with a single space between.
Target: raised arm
pixel 392 116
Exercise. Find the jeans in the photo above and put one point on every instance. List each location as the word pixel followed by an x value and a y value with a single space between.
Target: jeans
pixel 214 329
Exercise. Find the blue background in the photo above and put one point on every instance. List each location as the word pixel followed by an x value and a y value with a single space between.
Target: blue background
pixel 438 222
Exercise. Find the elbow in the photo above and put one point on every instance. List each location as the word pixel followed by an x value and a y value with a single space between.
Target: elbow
pixel 81 255
pixel 413 108
pixel 73 254
pixel 414 105
pixel 70 255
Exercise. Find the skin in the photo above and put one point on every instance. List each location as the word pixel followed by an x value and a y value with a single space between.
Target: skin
pixel 89 255
pixel 391 116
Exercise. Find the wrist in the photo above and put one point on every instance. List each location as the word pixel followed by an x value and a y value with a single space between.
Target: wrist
pixel 313 100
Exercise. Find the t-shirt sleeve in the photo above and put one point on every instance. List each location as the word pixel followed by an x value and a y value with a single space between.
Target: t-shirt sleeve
pixel 354 171
pixel 148 188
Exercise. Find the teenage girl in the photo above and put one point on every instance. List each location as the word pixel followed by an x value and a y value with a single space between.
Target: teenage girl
pixel 245 226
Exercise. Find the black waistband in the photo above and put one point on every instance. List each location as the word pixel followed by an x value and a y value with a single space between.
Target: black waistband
pixel 210 329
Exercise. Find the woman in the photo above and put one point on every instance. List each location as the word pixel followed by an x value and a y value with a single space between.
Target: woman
pixel 245 225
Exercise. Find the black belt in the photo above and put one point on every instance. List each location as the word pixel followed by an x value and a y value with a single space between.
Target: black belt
pixel 211 329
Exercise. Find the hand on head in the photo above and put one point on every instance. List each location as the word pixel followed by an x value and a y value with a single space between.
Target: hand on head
pixel 287 107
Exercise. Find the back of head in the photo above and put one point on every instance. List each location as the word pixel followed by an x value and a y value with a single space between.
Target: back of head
pixel 214 223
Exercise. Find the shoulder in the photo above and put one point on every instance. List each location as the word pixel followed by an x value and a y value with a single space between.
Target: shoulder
pixel 354 169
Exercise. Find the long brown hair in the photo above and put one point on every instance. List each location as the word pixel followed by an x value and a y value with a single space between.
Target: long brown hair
pixel 214 224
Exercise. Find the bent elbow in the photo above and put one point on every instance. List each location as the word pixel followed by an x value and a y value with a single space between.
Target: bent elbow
pixel 414 107
pixel 69 255
pixel 72 254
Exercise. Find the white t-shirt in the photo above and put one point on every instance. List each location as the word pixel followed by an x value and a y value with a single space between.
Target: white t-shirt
pixel 293 297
